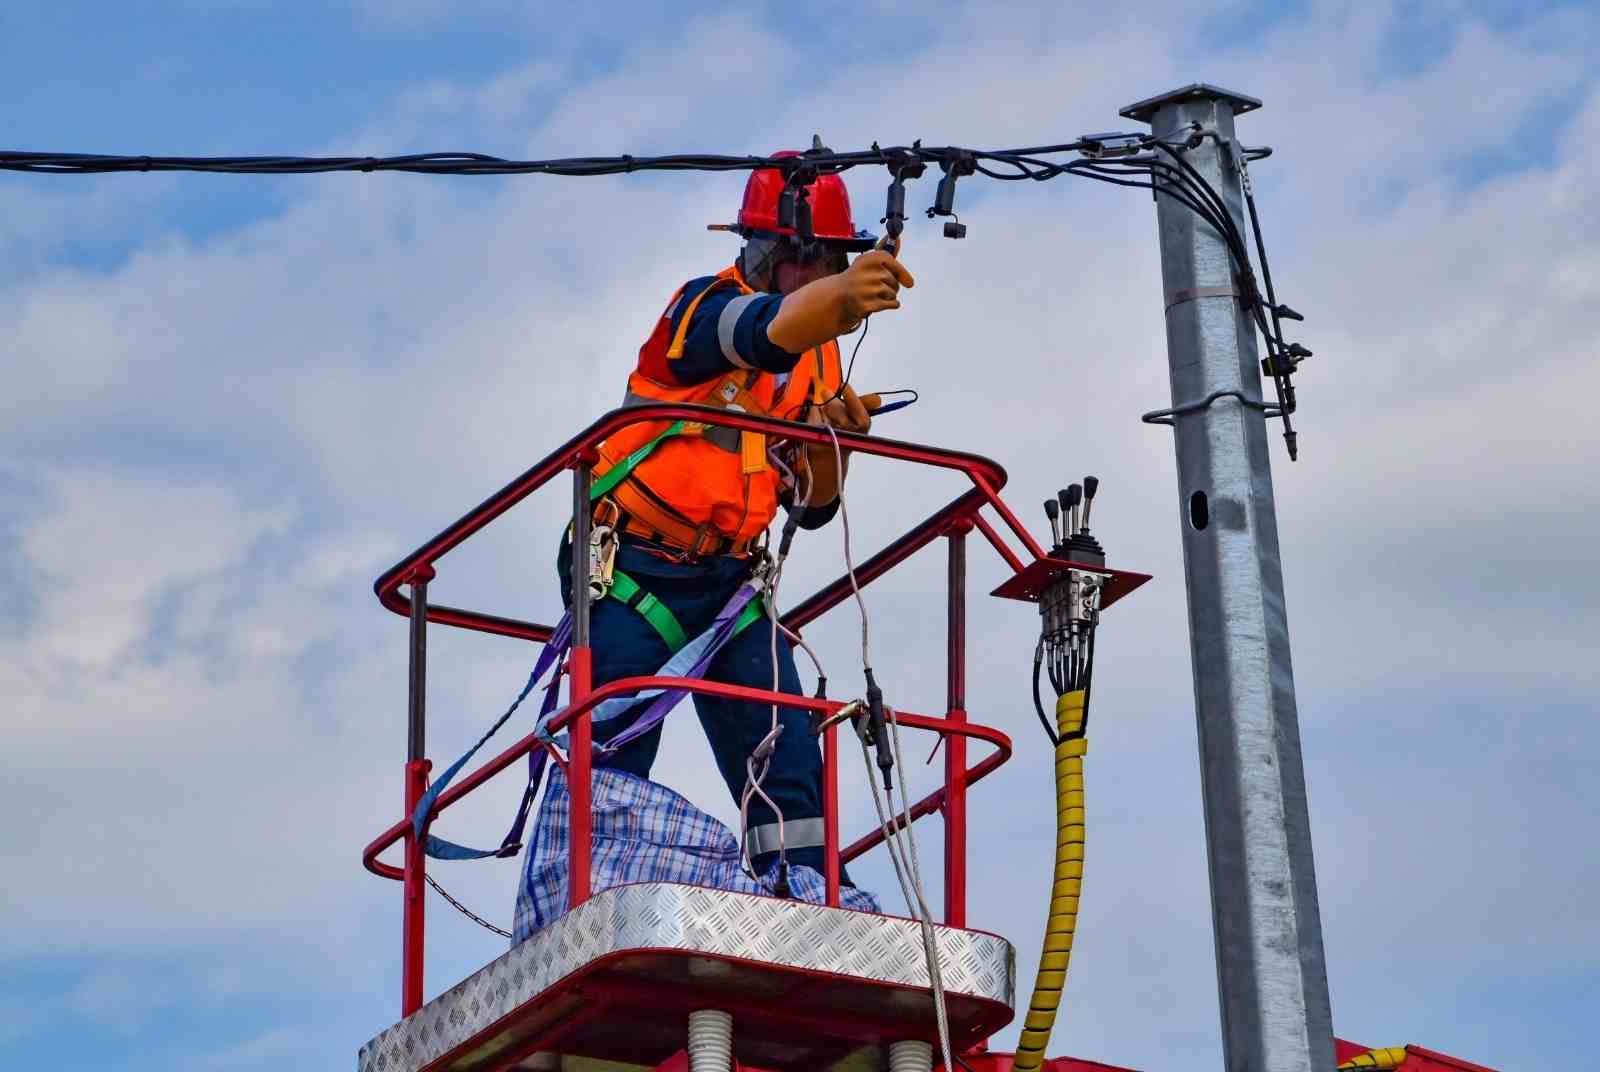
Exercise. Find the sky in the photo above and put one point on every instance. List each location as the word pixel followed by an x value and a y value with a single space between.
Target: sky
pixel 232 402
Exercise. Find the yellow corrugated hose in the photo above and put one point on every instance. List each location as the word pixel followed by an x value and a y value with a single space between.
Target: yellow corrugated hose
pixel 1389 1057
pixel 1052 977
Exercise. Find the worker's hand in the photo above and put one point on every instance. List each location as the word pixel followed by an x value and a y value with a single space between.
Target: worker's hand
pixel 826 308
pixel 848 412
pixel 870 285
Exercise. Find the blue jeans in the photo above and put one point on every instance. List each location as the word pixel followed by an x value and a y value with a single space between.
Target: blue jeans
pixel 626 645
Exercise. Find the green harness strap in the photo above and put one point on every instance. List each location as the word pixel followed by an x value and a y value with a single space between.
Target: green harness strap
pixel 657 613
pixel 627 590
pixel 619 472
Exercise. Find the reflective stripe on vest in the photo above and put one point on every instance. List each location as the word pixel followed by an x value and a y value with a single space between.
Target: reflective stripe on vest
pixel 679 488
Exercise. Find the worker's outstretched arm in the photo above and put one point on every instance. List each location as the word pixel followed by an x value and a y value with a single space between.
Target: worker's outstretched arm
pixel 827 308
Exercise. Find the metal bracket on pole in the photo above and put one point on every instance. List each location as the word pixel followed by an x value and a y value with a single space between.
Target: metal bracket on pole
pixel 1272 981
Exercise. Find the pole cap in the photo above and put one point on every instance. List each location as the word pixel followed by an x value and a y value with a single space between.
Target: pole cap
pixel 1144 111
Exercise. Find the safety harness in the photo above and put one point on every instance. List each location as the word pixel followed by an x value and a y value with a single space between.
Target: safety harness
pixel 690 658
pixel 649 509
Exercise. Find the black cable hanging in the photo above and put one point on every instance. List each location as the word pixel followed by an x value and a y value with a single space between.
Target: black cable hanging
pixel 1133 160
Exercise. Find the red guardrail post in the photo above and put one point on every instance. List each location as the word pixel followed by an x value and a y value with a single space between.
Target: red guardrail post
pixel 415 892
pixel 830 814
pixel 955 744
pixel 580 679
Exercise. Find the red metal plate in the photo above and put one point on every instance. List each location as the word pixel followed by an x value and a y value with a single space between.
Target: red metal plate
pixel 1031 582
pixel 632 1007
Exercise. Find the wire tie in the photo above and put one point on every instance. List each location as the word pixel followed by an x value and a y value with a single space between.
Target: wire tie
pixel 1188 294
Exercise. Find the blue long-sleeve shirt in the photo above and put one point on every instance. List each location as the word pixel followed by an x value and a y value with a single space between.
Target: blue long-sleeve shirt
pixel 729 332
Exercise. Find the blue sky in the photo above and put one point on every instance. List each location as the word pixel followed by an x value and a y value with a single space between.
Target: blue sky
pixel 205 458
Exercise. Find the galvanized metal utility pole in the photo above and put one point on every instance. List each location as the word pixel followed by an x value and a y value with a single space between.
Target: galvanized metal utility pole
pixel 1271 977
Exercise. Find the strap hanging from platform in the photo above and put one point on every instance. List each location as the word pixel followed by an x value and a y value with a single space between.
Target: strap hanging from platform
pixel 557 646
pixel 690 659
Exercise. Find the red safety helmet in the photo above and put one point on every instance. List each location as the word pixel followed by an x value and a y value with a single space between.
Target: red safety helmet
pixel 831 223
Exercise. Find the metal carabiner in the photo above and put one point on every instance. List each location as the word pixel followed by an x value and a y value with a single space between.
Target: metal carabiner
pixel 602 560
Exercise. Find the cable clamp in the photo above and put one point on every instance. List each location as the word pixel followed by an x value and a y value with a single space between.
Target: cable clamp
pixel 1111 144
pixel 1168 416
pixel 954 164
pixel 852 710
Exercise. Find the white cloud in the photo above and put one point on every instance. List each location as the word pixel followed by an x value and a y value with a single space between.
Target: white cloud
pixel 344 378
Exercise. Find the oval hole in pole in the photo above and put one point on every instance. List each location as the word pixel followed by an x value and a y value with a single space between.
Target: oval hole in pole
pixel 1199 511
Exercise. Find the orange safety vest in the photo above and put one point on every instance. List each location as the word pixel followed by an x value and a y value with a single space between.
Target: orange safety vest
pixel 707 489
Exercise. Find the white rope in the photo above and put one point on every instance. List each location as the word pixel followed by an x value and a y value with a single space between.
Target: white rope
pixel 763 751
pixel 909 874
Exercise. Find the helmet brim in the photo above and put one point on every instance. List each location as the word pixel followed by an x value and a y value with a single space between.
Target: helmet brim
pixel 856 243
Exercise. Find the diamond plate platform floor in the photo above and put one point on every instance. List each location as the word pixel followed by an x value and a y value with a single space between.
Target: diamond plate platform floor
pixel 615 979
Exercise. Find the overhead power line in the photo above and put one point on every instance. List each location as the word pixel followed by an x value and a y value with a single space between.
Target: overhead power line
pixel 1138 160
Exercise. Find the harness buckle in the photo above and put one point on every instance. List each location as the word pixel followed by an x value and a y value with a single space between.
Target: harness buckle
pixel 607 512
pixel 761 562
pixel 693 551
pixel 761 568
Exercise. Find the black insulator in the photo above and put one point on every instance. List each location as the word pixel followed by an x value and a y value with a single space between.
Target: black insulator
pixel 1074 495
pixel 894 213
pixel 1287 313
pixel 875 728
pixel 944 199
pixel 954 229
pixel 802 217
pixel 819 717
pixel 790 526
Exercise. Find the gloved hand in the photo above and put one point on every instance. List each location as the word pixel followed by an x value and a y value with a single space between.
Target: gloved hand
pixel 848 414
pixel 827 308
pixel 871 284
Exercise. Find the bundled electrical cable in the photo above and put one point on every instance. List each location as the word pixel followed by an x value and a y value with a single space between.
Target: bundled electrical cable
pixel 1069 610
pixel 1141 161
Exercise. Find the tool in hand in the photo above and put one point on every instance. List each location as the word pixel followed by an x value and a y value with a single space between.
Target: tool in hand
pixel 876 405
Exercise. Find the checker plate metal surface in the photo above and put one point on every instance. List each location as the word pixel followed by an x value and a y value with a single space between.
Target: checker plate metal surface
pixel 695 920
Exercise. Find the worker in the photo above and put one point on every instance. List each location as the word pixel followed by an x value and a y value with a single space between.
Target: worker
pixel 691 514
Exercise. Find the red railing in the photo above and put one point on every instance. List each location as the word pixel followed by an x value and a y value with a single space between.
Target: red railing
pixel 953 522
